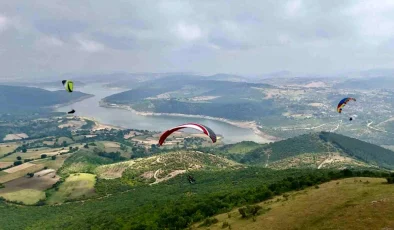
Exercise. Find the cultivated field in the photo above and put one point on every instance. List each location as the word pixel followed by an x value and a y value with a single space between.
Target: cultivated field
pixel 27 196
pixel 53 164
pixel 33 154
pixel 10 137
pixel 41 180
pixel 5 164
pixel 7 148
pixel 20 171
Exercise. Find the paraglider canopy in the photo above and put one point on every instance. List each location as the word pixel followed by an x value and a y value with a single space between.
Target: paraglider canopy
pixel 68 85
pixel 207 131
pixel 343 102
pixel 71 112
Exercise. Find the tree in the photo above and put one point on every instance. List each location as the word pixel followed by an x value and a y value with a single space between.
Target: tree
pixel 30 175
pixel 53 157
pixel 43 156
pixel 24 149
pixel 19 158
pixel 65 144
pixel 16 163
pixel 86 146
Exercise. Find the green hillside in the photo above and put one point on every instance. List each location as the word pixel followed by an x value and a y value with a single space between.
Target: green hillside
pixel 201 96
pixel 353 203
pixel 171 204
pixel 319 147
pixel 17 99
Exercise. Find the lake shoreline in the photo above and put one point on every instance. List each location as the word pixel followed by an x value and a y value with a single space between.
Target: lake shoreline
pixel 252 125
pixel 54 107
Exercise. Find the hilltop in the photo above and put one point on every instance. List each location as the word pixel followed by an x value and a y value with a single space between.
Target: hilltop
pixel 315 150
pixel 163 167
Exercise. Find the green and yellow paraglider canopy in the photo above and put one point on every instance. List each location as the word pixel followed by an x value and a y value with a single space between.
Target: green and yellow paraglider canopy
pixel 68 85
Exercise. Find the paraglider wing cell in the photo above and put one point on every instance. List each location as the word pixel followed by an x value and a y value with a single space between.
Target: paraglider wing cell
pixel 207 131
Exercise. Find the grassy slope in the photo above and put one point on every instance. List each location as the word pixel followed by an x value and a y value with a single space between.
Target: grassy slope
pixel 76 186
pixel 27 196
pixel 343 204
pixel 166 163
pixel 322 143
pixel 52 164
pixel 140 201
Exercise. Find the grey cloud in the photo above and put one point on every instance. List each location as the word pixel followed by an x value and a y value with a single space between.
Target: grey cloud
pixel 55 36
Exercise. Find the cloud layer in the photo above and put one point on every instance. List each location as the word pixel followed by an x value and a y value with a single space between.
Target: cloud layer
pixel 48 37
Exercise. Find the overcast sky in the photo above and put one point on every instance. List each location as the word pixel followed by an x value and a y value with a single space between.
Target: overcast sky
pixel 46 37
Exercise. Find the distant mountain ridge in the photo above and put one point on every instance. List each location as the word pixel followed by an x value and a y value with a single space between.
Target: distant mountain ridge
pixel 370 83
pixel 25 99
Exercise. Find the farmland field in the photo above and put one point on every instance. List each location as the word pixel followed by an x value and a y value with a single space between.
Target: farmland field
pixel 33 154
pixel 27 196
pixel 53 164
pixel 40 181
pixel 5 164
pixel 29 190
pixel 76 186
pixel 7 148
pixel 19 171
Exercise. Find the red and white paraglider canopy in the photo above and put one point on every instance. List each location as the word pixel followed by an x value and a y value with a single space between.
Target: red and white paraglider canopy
pixel 207 131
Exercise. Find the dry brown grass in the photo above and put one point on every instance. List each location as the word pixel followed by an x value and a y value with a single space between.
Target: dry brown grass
pixel 5 164
pixel 7 148
pixel 350 203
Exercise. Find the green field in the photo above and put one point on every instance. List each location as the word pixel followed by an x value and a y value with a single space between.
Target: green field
pixel 242 147
pixel 32 154
pixel 80 185
pixel 354 203
pixel 53 164
pixel 27 196
pixel 66 139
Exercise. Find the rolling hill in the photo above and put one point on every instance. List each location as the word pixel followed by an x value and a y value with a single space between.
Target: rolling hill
pixel 196 95
pixel 354 203
pixel 17 99
pixel 315 150
pixel 163 167
pixel 374 83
